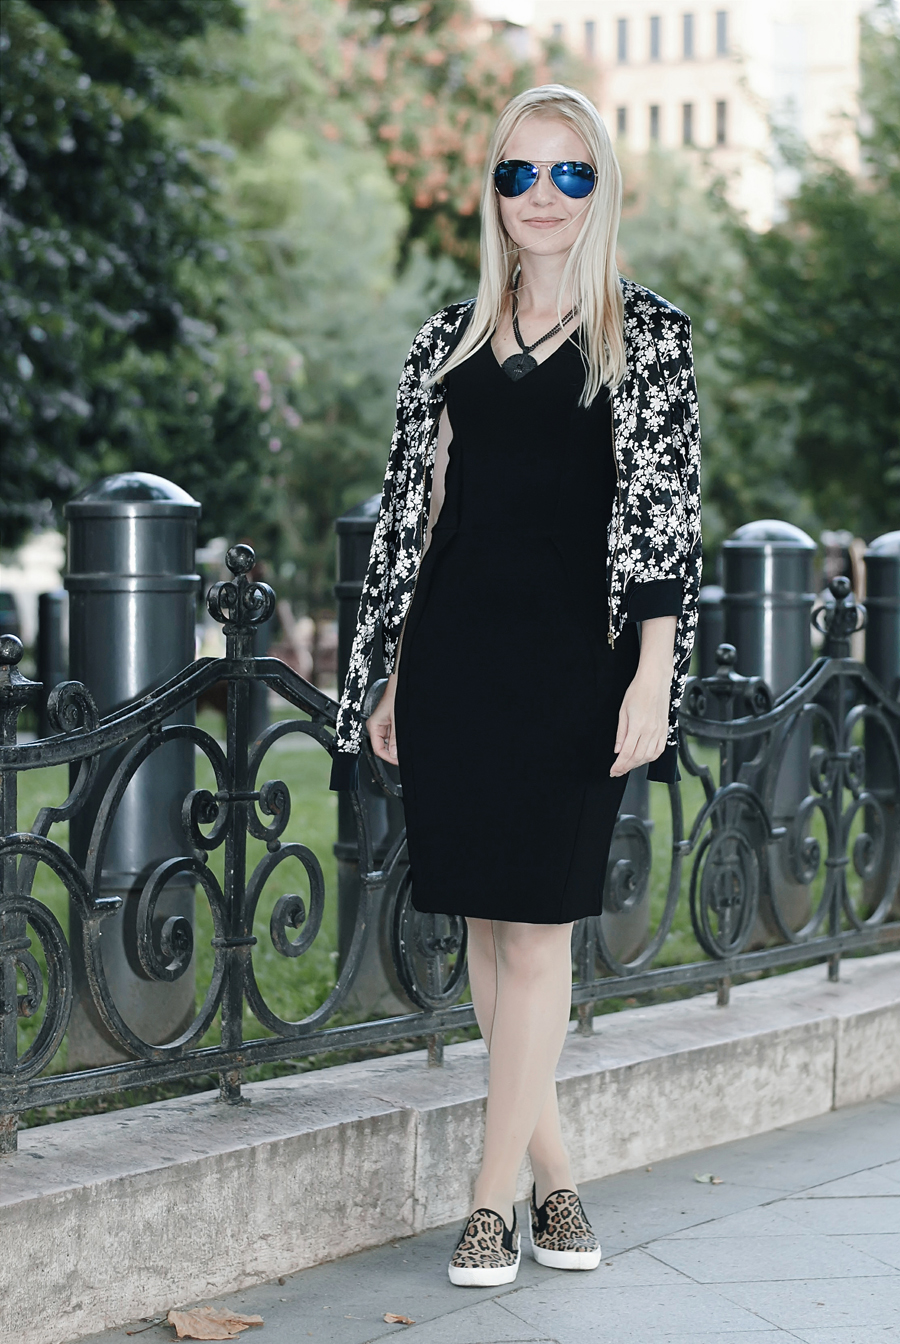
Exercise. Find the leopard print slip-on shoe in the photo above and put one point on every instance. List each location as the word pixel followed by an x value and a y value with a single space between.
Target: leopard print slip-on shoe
pixel 487 1253
pixel 561 1236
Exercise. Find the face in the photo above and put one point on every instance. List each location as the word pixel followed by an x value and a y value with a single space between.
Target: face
pixel 543 218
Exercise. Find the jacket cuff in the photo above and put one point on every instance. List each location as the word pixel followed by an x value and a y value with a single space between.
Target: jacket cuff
pixel 656 597
pixel 344 771
pixel 664 770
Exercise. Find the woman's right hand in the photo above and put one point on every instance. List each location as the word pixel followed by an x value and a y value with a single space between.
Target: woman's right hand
pixel 380 725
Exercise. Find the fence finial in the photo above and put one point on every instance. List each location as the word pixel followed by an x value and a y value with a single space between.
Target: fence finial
pixel 239 604
pixel 840 618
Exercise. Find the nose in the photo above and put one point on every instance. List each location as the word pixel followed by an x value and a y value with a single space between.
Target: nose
pixel 544 188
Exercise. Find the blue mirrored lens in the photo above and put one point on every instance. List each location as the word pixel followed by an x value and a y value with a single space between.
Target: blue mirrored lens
pixel 513 176
pixel 574 179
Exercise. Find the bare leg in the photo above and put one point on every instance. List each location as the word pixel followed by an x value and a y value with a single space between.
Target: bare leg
pixel 523 1011
pixel 546 1149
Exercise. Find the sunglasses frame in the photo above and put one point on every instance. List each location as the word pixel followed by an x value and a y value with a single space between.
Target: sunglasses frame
pixel 528 163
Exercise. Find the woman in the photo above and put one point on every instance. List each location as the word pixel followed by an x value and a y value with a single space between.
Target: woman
pixel 540 509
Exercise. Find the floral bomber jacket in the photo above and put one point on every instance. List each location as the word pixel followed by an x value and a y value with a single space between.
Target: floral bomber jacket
pixel 654 532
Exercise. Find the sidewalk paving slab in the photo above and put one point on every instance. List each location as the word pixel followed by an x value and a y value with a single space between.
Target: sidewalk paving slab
pixel 800 1242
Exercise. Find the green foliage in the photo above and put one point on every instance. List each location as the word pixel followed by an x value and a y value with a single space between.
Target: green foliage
pixel 818 322
pixel 325 316
pixel 430 80
pixel 109 235
pixel 796 333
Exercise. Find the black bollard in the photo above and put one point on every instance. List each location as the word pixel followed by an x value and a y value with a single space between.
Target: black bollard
pixel 51 650
pixel 769 595
pixel 375 989
pixel 883 661
pixel 132 612
pixel 710 627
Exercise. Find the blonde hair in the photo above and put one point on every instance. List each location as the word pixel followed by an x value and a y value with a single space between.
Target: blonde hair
pixel 590 274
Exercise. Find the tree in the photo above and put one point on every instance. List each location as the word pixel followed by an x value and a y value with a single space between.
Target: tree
pixel 325 309
pixel 109 244
pixel 430 80
pixel 796 333
pixel 819 323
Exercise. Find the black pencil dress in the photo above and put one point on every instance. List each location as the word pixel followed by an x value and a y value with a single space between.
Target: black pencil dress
pixel 508 691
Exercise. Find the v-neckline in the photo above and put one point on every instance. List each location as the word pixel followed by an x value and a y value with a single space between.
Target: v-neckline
pixel 540 362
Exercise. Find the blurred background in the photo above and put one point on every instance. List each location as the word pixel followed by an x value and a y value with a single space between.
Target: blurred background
pixel 223 222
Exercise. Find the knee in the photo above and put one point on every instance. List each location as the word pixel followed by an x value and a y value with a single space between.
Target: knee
pixel 528 951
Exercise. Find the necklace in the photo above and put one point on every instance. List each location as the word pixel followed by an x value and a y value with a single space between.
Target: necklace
pixel 524 362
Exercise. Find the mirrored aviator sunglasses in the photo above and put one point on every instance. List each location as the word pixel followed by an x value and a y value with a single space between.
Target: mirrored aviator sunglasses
pixel 514 176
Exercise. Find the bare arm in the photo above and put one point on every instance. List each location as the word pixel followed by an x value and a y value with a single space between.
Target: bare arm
pixel 644 716
pixel 380 725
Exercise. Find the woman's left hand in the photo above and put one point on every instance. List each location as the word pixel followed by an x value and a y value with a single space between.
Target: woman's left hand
pixel 643 723
pixel 644 716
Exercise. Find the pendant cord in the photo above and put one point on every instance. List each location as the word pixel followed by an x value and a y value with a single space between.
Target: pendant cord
pixel 527 349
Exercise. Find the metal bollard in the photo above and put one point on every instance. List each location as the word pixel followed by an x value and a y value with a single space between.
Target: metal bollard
pixel 375 989
pixel 51 650
pixel 710 628
pixel 883 660
pixel 132 610
pixel 769 594
pixel 768 581
pixel 883 607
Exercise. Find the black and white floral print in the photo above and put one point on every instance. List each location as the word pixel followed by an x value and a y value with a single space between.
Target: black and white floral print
pixel 654 532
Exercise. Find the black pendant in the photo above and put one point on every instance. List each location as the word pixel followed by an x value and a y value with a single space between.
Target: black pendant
pixel 518 365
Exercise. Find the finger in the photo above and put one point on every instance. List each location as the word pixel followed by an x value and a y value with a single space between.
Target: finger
pixel 640 751
pixel 622 763
pixel 621 729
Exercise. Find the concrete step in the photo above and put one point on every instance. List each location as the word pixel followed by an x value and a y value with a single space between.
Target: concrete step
pixel 120 1216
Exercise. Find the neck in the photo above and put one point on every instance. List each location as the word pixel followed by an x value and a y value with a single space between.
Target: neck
pixel 539 284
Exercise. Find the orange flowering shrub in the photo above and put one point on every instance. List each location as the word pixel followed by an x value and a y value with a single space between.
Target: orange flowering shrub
pixel 427 80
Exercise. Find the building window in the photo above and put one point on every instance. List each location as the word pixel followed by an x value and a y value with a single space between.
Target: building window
pixel 590 31
pixel 654 37
pixel 557 32
pixel 622 41
pixel 687 36
pixel 721 32
pixel 687 123
pixel 721 123
pixel 654 123
pixel 621 122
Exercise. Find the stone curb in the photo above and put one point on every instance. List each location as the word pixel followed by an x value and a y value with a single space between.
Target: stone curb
pixel 120 1216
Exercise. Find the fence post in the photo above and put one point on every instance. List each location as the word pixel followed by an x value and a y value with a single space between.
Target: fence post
pixel 768 580
pixel 374 990
pixel 883 661
pixel 132 614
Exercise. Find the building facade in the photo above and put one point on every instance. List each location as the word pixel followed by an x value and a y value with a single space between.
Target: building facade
pixel 713 77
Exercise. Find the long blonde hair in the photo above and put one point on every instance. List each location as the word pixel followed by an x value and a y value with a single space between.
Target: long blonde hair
pixel 590 274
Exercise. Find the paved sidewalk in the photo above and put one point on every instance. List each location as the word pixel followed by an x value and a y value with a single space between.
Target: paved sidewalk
pixel 800 1241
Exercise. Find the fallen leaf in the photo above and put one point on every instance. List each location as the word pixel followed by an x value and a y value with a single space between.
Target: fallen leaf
pixel 210 1323
pixel 393 1319
pixel 709 1179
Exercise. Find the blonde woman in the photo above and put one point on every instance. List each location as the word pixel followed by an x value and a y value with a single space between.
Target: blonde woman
pixel 537 555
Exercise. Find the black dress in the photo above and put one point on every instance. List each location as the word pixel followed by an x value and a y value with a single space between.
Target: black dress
pixel 508 692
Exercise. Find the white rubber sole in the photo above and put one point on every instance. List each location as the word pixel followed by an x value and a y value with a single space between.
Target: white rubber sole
pixel 566 1259
pixel 484 1278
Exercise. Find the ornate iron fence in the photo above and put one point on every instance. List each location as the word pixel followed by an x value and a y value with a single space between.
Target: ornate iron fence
pixel 763 890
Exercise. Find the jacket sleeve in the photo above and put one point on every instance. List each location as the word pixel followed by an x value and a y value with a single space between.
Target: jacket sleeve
pixel 349 728
pixel 676 356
